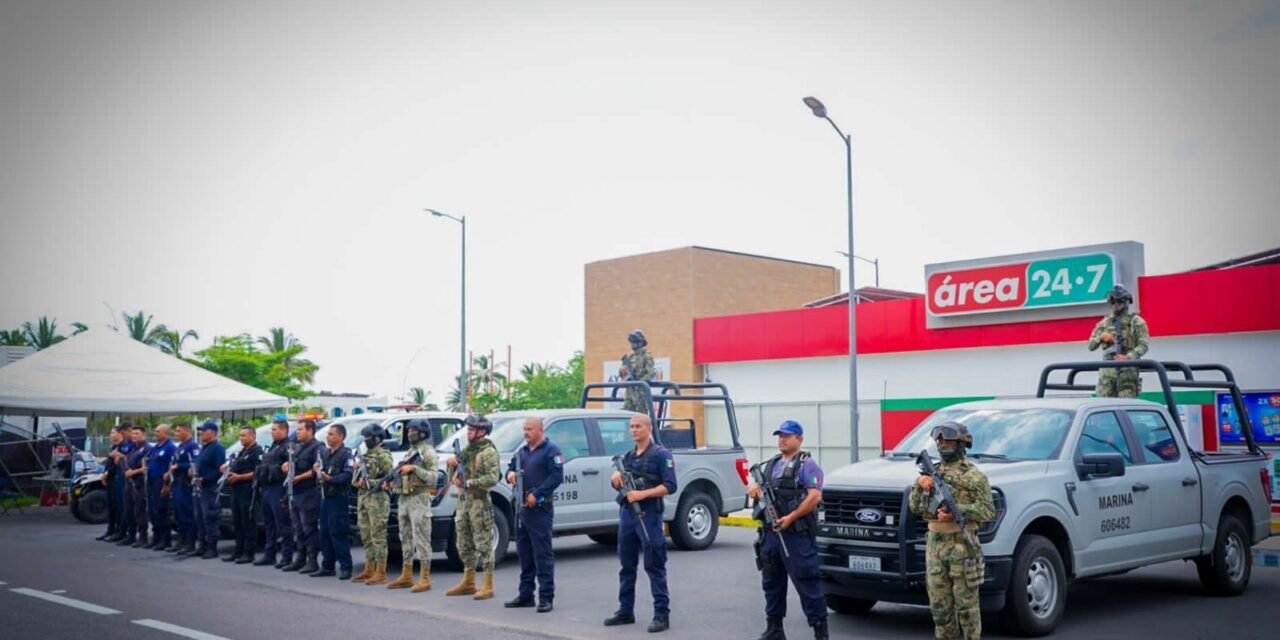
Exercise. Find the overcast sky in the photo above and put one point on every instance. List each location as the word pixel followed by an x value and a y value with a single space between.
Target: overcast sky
pixel 232 166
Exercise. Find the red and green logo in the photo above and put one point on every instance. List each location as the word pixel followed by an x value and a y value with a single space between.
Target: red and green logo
pixel 1052 282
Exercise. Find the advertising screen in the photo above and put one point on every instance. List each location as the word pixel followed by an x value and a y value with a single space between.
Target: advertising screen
pixel 1264 415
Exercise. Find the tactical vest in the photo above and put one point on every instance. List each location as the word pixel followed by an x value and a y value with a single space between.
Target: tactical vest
pixel 645 478
pixel 411 484
pixel 790 491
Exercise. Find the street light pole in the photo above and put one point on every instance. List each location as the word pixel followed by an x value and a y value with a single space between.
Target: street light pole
pixel 874 263
pixel 462 348
pixel 820 111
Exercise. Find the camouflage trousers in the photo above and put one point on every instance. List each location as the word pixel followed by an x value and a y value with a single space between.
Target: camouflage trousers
pixel 634 401
pixel 372 511
pixel 1118 383
pixel 414 519
pixel 954 575
pixel 474 522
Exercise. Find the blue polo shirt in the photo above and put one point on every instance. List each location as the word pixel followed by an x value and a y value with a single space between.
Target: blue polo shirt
pixel 543 469
pixel 211 458
pixel 183 456
pixel 159 458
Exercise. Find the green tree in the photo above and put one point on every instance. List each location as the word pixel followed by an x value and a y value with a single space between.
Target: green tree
pixel 418 395
pixel 13 338
pixel 485 377
pixel 238 358
pixel 170 341
pixel 44 333
pixel 281 341
pixel 548 386
pixel 138 326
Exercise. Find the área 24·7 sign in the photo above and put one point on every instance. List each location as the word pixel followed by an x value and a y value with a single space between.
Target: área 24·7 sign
pixel 1052 282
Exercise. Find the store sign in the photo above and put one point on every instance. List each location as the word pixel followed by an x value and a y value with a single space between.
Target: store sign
pixel 1051 282
pixel 1264 416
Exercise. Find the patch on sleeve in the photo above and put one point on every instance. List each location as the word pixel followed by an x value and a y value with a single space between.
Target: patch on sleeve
pixel 558 460
pixel 671 464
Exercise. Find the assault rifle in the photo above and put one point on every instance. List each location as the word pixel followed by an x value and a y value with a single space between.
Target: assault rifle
pixel 222 480
pixel 944 495
pixel 766 508
pixel 410 459
pixel 1117 345
pixel 517 490
pixel 197 485
pixel 459 470
pixel 629 485
pixel 288 478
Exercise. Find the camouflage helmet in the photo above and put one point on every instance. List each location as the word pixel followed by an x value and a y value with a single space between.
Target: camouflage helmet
pixel 1119 294
pixel 637 337
pixel 374 432
pixel 421 426
pixel 478 421
pixel 952 430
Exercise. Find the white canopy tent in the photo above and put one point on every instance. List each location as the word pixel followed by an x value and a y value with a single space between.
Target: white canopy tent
pixel 103 372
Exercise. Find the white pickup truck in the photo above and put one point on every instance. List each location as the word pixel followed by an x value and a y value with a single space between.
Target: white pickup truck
pixel 1083 487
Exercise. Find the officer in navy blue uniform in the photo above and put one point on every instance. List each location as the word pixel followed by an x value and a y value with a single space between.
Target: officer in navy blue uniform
pixel 180 472
pixel 655 474
pixel 305 511
pixel 796 480
pixel 240 474
pixel 208 471
pixel 275 507
pixel 334 471
pixel 158 501
pixel 113 476
pixel 135 497
pixel 543 467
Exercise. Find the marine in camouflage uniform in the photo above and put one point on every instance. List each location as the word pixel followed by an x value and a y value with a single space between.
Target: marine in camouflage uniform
pixel 473 518
pixel 1122 383
pixel 412 486
pixel 954 568
pixel 373 506
pixel 639 366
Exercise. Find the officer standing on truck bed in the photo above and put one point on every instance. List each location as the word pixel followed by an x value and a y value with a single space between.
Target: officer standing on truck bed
pixel 1125 335
pixel 473 519
pixel 796 480
pixel 637 365
pixel 953 565
pixel 654 471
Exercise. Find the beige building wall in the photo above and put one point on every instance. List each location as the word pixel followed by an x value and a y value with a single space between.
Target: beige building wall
pixel 662 292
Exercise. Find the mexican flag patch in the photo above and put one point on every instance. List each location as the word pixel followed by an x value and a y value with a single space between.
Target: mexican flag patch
pixel 671 464
pixel 559 459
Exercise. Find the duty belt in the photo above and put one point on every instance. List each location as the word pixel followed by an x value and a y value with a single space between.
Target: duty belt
pixel 950 527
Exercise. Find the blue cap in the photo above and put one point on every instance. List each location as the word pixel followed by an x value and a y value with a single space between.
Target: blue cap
pixel 280 417
pixel 790 426
pixel 209 426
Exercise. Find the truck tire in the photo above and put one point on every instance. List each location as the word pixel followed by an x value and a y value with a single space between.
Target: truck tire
pixel 1226 570
pixel 92 507
pixel 501 540
pixel 606 538
pixel 696 523
pixel 847 605
pixel 1037 594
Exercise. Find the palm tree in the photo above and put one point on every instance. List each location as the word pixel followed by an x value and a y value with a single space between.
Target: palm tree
pixel 43 334
pixel 139 328
pixel 484 374
pixel 280 340
pixel 171 341
pixel 13 338
pixel 454 397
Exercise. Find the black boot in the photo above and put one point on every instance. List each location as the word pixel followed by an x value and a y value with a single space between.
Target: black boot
pixel 773 630
pixel 106 535
pixel 117 537
pixel 312 565
pixel 619 617
pixel 324 572
pixel 299 561
pixel 175 543
pixel 155 539
pixel 659 624
pixel 820 630
pixel 344 574
pixel 268 558
pixel 128 540
pixel 286 559
pixel 245 558
pixel 210 550
pixel 140 542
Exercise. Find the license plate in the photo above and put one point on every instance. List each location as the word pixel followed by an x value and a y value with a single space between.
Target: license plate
pixel 864 563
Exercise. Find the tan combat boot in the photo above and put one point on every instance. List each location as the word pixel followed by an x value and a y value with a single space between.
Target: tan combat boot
pixel 364 573
pixel 406 576
pixel 379 574
pixel 424 582
pixel 466 587
pixel 486 587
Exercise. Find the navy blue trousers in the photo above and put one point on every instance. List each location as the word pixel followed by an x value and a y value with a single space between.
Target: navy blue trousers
pixel 305 515
pixel 207 512
pixel 275 517
pixel 135 506
pixel 335 532
pixel 631 542
pixel 533 544
pixel 158 508
pixel 184 509
pixel 115 504
pixel 801 566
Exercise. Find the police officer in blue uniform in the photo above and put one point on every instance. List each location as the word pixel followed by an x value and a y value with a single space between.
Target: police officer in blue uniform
pixel 655 474
pixel 113 476
pixel 305 510
pixel 543 466
pixel 796 480
pixel 333 475
pixel 208 471
pixel 240 474
pixel 135 497
pixel 180 473
pixel 275 508
pixel 158 501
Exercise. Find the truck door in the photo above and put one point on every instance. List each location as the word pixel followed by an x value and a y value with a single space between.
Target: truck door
pixel 1113 515
pixel 1174 486
pixel 578 497
pixel 616 436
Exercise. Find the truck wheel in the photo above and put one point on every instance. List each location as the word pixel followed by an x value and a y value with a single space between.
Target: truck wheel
pixel 1037 595
pixel 1225 571
pixel 91 507
pixel 608 538
pixel 848 605
pixel 501 540
pixel 696 523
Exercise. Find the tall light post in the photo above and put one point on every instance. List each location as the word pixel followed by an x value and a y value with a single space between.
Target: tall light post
pixel 820 111
pixel 875 263
pixel 462 347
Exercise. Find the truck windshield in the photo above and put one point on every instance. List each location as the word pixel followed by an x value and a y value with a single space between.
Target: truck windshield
pixel 1016 434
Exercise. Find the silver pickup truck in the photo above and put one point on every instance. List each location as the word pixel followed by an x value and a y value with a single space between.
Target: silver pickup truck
pixel 1083 487
pixel 712 481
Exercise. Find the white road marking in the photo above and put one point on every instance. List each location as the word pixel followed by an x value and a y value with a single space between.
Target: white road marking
pixel 2 583
pixel 65 601
pixel 176 630
pixel 58 591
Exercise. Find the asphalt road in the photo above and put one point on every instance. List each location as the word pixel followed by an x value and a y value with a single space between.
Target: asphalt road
pixel 715 594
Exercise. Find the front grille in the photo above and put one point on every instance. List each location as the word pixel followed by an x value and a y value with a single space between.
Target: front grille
pixel 840 507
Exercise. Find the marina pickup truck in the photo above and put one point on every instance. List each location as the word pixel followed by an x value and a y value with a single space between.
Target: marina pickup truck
pixel 1083 487
pixel 711 480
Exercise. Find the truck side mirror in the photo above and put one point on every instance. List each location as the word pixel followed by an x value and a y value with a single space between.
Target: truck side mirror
pixel 1100 465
